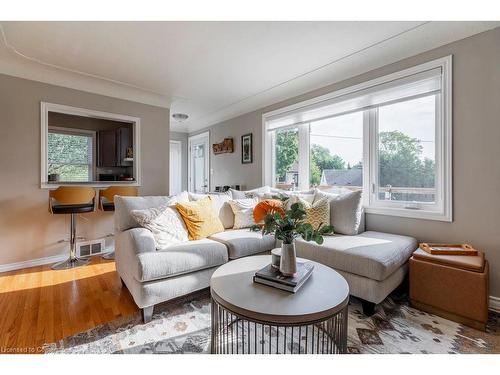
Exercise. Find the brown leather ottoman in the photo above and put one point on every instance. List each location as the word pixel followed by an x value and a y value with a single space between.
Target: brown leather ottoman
pixel 452 286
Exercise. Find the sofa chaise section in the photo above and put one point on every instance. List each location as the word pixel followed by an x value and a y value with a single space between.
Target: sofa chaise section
pixel 373 263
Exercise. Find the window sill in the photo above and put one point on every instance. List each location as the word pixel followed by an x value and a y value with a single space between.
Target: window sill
pixel 96 184
pixel 410 213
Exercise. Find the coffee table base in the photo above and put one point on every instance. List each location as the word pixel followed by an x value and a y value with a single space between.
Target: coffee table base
pixel 236 334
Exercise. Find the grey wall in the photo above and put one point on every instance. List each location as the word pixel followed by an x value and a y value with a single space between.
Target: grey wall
pixel 27 229
pixel 476 148
pixel 227 169
pixel 183 138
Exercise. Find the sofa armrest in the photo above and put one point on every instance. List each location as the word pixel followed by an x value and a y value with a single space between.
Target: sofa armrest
pixel 138 240
pixel 128 245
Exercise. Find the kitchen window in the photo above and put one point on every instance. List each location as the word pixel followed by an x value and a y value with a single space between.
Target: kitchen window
pixel 71 154
pixel 390 137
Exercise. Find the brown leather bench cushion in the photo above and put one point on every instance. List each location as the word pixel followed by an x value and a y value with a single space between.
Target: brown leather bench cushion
pixel 464 262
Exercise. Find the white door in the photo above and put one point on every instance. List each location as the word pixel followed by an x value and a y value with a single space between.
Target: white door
pixel 175 172
pixel 199 161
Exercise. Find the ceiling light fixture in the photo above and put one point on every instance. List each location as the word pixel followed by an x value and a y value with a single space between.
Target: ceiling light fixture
pixel 180 117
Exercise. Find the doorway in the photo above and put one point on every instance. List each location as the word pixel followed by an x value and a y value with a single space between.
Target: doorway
pixel 175 172
pixel 199 163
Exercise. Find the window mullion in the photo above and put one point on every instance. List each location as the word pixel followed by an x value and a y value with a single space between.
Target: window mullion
pixel 304 152
pixel 367 134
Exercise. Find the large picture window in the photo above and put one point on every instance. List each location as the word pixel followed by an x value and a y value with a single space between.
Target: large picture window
pixel 406 150
pixel 390 137
pixel 286 149
pixel 336 159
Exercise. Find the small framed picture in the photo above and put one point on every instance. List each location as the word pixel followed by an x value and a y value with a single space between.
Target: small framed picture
pixel 246 149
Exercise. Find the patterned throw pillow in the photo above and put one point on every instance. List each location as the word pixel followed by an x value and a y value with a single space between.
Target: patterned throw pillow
pixel 200 218
pixel 165 223
pixel 243 212
pixel 317 213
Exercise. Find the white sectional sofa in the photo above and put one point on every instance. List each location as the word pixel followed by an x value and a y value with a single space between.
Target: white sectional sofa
pixel 373 263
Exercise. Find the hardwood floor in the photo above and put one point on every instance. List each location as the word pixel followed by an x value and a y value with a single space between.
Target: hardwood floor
pixel 39 305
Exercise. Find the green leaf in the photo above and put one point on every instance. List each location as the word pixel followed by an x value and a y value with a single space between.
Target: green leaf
pixel 327 229
pixel 318 239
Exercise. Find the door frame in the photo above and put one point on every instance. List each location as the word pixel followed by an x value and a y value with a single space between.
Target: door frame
pixel 192 139
pixel 180 165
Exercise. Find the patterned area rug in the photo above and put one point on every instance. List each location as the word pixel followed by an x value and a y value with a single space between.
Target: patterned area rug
pixel 184 327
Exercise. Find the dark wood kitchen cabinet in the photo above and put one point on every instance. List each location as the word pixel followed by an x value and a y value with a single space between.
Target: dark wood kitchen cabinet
pixel 106 149
pixel 112 147
pixel 125 141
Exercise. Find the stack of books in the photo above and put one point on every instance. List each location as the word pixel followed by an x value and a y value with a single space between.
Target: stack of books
pixel 272 277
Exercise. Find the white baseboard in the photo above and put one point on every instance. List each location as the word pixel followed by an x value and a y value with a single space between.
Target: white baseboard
pixel 33 263
pixel 495 303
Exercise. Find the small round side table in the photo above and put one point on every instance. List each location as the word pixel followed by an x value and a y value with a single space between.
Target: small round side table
pixel 257 319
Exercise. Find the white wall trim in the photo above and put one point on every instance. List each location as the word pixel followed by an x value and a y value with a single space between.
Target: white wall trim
pixel 45 108
pixel 33 263
pixel 176 142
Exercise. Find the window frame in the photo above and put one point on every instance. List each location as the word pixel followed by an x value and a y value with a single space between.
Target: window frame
pixel 46 107
pixel 79 132
pixel 442 209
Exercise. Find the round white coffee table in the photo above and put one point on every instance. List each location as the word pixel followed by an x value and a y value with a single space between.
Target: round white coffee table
pixel 252 318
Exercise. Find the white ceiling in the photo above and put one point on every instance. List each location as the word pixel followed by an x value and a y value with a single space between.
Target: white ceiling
pixel 213 71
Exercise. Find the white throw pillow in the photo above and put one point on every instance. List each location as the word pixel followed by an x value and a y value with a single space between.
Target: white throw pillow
pixel 254 193
pixel 220 204
pixel 345 213
pixel 165 223
pixel 243 212
pixel 320 194
pixel 182 197
pixel 294 198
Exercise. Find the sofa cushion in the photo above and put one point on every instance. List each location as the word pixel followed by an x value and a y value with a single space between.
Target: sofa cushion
pixel 243 242
pixel 125 205
pixel 345 211
pixel 374 255
pixel 165 223
pixel 254 193
pixel 243 212
pixel 265 207
pixel 220 204
pixel 317 213
pixel 200 218
pixel 179 259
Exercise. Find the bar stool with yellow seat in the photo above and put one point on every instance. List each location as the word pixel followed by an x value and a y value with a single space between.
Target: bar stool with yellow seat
pixel 71 200
pixel 107 202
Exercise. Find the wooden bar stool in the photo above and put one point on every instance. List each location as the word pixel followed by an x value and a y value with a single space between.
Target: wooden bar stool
pixel 107 202
pixel 71 200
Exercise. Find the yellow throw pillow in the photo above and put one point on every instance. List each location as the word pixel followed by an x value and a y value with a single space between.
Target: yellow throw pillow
pixel 200 218
pixel 317 213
